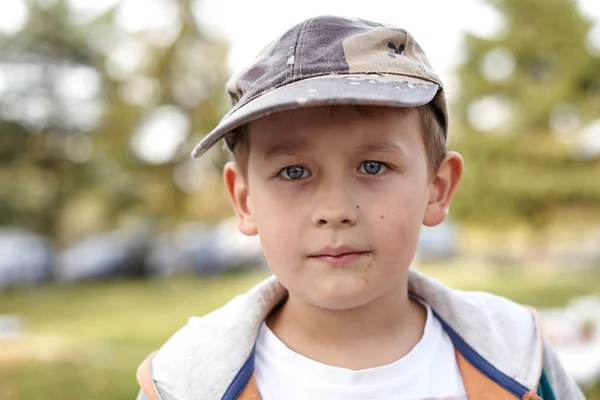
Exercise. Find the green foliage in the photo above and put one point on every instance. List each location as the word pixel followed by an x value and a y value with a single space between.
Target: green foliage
pixel 528 179
pixel 547 42
pixel 62 168
pixel 524 171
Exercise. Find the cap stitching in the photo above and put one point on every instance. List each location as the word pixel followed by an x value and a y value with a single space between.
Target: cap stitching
pixel 289 68
pixel 304 41
pixel 409 54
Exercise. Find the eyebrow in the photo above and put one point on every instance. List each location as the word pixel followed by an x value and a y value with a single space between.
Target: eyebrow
pixel 286 149
pixel 385 146
pixel 301 147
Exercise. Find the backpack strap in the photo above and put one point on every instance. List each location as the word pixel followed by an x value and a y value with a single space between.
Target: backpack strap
pixel 480 387
pixel 477 385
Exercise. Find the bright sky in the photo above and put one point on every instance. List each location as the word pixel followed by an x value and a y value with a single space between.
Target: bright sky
pixel 250 25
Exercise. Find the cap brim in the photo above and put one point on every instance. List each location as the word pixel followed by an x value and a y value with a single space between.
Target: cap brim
pixel 365 89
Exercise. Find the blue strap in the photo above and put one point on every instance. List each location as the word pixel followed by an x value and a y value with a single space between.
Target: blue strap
pixel 241 379
pixel 482 364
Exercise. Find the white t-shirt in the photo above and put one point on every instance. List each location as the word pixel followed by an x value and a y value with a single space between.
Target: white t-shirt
pixel 428 372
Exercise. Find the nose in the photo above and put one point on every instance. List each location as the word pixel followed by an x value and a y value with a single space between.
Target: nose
pixel 334 207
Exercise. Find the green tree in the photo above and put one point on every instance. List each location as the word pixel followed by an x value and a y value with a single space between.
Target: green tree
pixel 524 96
pixel 66 144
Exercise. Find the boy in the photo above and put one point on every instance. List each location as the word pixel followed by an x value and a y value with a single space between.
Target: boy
pixel 338 133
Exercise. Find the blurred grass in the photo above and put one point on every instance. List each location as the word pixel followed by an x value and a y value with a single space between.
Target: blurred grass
pixel 110 327
pixel 119 324
pixel 127 313
pixel 536 287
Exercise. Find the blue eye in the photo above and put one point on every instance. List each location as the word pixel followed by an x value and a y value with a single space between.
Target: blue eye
pixel 371 167
pixel 294 173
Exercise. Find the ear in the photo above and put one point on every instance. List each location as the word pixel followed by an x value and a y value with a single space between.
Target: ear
pixel 441 189
pixel 237 189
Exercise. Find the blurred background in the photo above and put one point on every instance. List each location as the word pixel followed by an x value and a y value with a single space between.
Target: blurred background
pixel 111 236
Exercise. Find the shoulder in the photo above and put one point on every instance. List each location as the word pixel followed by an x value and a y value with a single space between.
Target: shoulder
pixel 495 308
pixel 183 366
pixel 460 307
pixel 506 334
pixel 492 324
pixel 202 358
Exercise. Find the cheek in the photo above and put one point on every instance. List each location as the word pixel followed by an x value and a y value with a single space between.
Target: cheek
pixel 278 204
pixel 273 209
pixel 279 226
pixel 397 222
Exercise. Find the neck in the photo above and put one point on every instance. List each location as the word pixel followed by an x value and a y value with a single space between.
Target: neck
pixel 377 333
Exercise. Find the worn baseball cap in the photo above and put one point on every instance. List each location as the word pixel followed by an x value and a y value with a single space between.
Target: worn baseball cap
pixel 331 60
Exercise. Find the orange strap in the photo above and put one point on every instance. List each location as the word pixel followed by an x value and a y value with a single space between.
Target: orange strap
pixel 250 392
pixel 480 387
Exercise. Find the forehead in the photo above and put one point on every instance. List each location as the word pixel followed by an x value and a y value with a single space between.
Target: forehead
pixel 340 124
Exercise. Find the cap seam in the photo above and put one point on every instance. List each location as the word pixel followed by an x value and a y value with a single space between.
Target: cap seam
pixel 332 73
pixel 409 54
pixel 302 46
pixel 289 68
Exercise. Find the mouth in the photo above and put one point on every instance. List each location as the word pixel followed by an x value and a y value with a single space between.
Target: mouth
pixel 338 255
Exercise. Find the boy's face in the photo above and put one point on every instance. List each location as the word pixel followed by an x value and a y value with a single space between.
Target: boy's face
pixel 338 200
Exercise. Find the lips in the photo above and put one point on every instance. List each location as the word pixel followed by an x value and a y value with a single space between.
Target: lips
pixel 338 255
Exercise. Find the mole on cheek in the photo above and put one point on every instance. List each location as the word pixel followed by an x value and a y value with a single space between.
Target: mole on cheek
pixel 357 207
pixel 381 216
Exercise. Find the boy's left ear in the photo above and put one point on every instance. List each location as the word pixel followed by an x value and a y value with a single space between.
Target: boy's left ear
pixel 441 189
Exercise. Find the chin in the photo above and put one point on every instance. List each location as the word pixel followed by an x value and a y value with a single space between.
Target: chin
pixel 343 294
